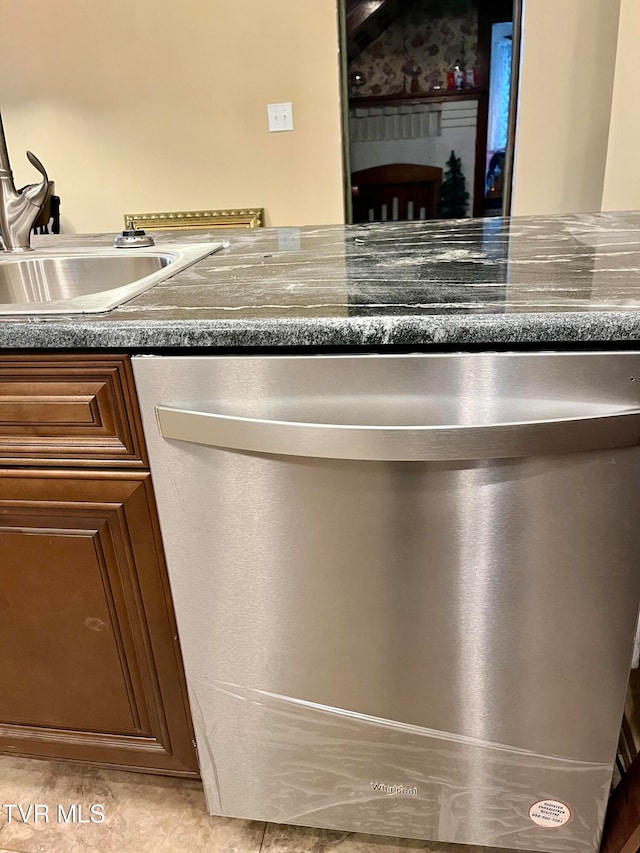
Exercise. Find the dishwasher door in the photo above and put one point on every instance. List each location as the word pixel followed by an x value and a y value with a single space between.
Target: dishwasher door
pixel 406 586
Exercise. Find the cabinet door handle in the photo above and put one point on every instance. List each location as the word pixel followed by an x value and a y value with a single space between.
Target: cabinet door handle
pixel 402 443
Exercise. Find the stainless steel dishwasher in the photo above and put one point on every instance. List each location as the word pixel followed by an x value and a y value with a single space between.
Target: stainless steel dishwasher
pixel 406 585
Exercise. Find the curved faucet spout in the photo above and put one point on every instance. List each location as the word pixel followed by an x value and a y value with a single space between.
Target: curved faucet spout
pixel 19 209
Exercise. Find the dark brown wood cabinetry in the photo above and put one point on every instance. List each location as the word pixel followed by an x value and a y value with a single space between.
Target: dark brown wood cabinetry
pixel 71 411
pixel 90 667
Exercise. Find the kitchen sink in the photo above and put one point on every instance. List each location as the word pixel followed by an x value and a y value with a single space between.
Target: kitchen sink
pixel 88 281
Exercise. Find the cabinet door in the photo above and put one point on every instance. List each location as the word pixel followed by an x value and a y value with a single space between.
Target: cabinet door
pixel 89 662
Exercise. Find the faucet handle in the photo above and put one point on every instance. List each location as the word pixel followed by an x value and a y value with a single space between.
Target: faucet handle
pixel 31 157
pixel 36 193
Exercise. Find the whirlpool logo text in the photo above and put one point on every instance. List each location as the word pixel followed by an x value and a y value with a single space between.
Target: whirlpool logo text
pixel 393 790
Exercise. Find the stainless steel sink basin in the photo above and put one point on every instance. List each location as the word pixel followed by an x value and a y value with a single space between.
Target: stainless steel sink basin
pixel 80 281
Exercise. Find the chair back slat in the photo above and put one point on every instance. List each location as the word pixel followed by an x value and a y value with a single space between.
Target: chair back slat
pixel 395 192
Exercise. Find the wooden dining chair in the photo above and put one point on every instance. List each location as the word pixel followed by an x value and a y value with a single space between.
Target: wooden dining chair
pixel 49 215
pixel 396 192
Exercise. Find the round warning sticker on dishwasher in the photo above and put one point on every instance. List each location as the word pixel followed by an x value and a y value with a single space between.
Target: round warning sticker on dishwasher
pixel 550 813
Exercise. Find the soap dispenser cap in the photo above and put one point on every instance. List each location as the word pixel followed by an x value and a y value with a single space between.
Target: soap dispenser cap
pixel 132 237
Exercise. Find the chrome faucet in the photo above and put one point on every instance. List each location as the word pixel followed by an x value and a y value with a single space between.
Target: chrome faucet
pixel 19 209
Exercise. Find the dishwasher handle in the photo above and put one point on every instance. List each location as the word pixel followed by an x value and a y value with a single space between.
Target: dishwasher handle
pixel 402 443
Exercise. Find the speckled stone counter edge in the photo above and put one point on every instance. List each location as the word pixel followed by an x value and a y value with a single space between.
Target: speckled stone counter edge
pixel 534 329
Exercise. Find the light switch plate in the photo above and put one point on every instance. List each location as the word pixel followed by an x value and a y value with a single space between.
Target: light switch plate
pixel 280 117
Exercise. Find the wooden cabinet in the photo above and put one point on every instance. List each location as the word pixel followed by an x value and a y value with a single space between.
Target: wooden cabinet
pixel 71 411
pixel 90 667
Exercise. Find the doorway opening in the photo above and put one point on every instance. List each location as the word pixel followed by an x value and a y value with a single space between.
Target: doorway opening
pixel 429 90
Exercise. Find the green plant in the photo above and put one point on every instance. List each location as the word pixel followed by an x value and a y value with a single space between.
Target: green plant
pixel 454 197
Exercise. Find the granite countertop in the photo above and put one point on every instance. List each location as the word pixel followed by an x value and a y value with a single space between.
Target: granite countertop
pixel 530 280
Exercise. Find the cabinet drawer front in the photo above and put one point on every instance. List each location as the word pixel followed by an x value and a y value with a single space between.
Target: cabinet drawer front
pixel 62 410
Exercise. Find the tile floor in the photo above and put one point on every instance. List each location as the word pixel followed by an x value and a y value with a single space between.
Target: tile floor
pixel 155 814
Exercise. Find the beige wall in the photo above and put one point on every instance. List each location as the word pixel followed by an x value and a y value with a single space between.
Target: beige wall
pixel 161 105
pixel 566 83
pixel 622 175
